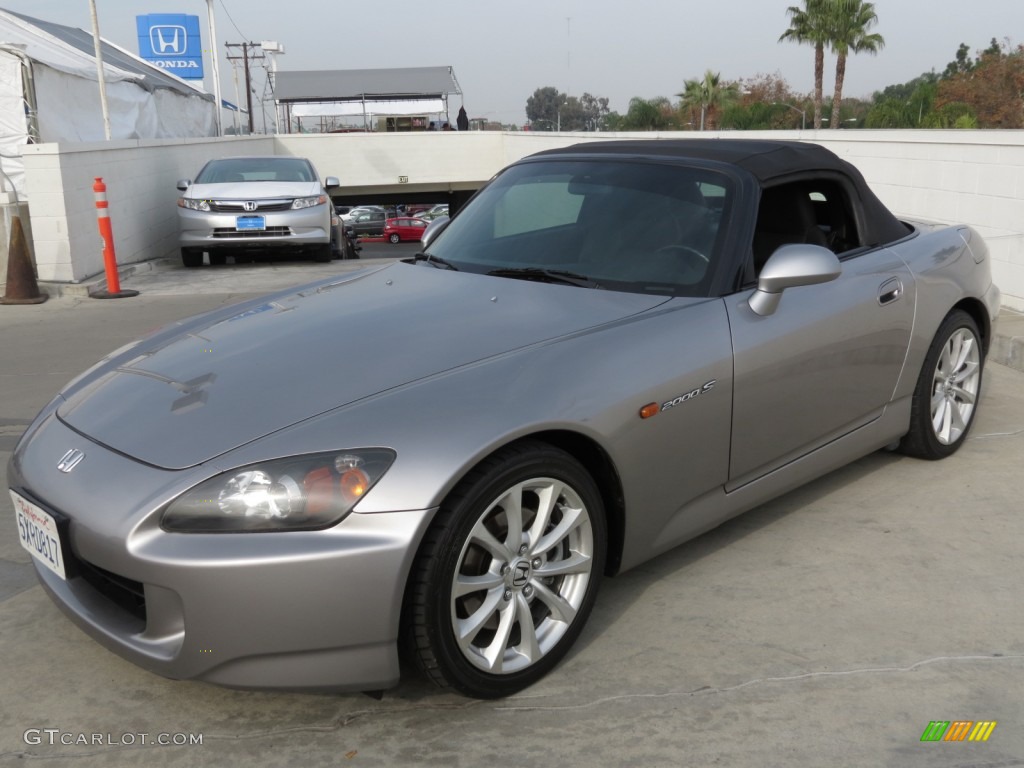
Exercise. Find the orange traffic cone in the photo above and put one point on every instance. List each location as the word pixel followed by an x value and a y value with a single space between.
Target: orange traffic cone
pixel 22 287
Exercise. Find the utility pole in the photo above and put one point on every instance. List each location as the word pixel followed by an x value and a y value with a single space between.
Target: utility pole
pixel 250 52
pixel 100 75
pixel 218 112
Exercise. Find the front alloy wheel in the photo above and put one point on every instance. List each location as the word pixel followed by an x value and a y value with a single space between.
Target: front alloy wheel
pixel 509 573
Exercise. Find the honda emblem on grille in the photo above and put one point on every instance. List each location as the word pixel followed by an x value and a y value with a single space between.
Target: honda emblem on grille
pixel 70 460
pixel 249 205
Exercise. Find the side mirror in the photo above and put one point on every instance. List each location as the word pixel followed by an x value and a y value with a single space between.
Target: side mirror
pixel 433 229
pixel 789 267
pixel 184 184
pixel 332 181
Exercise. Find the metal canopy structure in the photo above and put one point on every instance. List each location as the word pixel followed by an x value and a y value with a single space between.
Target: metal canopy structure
pixel 365 92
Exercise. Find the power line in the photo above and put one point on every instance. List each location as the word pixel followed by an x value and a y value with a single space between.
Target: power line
pixel 228 14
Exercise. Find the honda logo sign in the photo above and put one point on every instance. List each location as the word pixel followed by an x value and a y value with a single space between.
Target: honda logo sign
pixel 167 40
pixel 172 42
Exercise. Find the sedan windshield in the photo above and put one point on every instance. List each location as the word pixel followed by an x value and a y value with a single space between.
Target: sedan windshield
pixel 614 224
pixel 236 169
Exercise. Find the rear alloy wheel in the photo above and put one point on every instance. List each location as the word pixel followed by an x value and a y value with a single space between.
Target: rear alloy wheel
pixel 192 257
pixel 508 574
pixel 946 396
pixel 394 238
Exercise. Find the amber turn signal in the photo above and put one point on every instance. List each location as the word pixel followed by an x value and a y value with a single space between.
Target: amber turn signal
pixel 649 410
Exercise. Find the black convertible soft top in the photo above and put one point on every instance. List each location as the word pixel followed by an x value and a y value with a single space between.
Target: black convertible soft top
pixel 769 162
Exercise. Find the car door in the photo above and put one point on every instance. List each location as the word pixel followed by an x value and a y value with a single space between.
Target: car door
pixel 824 363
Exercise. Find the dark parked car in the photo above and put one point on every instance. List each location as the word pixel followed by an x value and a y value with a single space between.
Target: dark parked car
pixel 368 223
pixel 451 452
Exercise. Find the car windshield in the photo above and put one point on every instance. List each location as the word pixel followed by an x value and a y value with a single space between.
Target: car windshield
pixel 623 225
pixel 238 169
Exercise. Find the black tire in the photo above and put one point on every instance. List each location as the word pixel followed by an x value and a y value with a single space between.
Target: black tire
pixel 192 257
pixel 514 581
pixel 394 238
pixel 952 369
pixel 218 258
pixel 322 253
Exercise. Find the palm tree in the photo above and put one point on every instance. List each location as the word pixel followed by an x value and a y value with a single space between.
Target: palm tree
pixel 709 94
pixel 850 34
pixel 812 25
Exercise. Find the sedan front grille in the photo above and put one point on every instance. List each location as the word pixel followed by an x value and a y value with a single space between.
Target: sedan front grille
pixel 238 206
pixel 230 233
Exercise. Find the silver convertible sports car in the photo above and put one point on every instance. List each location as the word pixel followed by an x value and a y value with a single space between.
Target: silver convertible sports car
pixel 610 349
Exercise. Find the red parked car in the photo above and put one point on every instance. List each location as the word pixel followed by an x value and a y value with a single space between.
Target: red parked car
pixel 404 228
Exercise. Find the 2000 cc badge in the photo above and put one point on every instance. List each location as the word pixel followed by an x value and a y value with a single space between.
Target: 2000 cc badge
pixel 688 395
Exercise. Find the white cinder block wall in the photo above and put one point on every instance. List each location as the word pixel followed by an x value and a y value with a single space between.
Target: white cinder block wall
pixel 969 177
pixel 964 177
pixel 140 178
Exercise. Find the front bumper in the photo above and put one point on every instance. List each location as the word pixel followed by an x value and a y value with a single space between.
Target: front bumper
pixel 311 610
pixel 306 226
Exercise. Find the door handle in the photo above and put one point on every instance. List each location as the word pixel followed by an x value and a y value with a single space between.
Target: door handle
pixel 891 290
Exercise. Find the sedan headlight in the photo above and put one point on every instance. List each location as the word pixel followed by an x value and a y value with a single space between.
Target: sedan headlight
pixel 309 202
pixel 193 205
pixel 294 494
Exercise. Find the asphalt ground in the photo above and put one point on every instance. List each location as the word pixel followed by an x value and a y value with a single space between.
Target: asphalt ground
pixel 826 628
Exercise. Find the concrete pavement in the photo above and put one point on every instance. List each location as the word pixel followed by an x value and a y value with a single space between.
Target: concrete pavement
pixel 826 628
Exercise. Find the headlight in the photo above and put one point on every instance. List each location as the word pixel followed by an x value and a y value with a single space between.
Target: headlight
pixel 309 202
pixel 194 205
pixel 298 493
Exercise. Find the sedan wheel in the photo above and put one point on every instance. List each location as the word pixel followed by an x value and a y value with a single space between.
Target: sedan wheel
pixel 322 253
pixel 508 574
pixel 947 391
pixel 192 257
pixel 393 237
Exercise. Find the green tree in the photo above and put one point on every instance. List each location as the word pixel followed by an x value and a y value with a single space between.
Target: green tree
pixel 851 21
pixel 812 25
pixel 648 115
pixel 961 64
pixel 709 95
pixel 543 106
pixel 551 109
pixel 904 106
pixel 595 110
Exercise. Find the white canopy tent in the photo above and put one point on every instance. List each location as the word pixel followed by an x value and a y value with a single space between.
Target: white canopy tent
pixel 49 93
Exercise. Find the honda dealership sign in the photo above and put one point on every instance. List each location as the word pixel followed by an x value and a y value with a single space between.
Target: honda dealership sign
pixel 172 42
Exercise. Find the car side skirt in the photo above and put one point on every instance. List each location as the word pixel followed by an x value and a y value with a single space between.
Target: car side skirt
pixel 717 506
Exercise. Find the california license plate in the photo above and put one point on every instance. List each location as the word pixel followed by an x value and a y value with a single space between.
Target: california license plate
pixel 251 223
pixel 37 532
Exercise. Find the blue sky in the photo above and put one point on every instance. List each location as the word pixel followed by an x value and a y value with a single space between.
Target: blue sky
pixel 502 51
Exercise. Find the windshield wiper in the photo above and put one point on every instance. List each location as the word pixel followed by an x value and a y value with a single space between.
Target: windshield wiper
pixel 560 276
pixel 435 261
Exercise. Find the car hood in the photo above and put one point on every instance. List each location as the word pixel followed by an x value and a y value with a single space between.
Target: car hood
pixel 253 190
pixel 183 398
